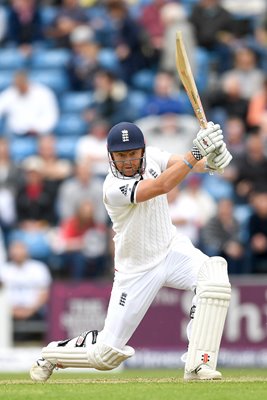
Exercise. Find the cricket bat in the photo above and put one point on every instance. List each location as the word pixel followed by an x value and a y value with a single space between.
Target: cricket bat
pixel 188 81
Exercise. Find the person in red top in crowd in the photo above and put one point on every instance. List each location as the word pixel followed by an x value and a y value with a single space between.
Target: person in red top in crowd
pixel 81 243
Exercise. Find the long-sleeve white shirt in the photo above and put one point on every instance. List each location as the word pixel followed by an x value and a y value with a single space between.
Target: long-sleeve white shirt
pixel 144 232
pixel 36 110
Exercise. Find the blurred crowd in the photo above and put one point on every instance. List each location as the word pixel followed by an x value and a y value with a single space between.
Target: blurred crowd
pixel 69 70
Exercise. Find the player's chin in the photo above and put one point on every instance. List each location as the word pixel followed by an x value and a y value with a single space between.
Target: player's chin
pixel 129 172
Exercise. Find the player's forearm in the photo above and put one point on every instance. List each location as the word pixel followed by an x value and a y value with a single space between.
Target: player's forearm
pixel 177 170
pixel 200 166
pixel 174 175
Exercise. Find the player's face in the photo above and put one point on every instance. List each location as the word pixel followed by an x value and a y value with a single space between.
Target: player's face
pixel 128 162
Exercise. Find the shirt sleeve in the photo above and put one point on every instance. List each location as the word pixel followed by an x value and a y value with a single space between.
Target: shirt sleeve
pixel 161 157
pixel 121 193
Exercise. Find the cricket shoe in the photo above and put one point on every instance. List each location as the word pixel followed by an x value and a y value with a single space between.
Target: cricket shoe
pixel 41 370
pixel 203 373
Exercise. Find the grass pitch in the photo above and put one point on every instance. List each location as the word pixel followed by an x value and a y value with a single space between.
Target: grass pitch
pixel 165 384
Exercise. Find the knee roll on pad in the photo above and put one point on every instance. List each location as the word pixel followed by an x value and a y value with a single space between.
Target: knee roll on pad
pixel 213 293
pixel 89 354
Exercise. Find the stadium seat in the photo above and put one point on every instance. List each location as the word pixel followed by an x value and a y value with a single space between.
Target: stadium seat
pixel 137 100
pixel 202 68
pixel 56 79
pixel 108 60
pixel 65 147
pixel 11 59
pixel 48 15
pixel 144 80
pixel 75 101
pixel 23 147
pixel 51 58
pixel 36 242
pixel 71 124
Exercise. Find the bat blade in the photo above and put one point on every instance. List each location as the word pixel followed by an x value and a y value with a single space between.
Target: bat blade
pixel 187 78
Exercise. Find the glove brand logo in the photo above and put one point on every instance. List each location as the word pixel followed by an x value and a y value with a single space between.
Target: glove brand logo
pixel 124 189
pixel 125 135
pixel 123 299
pixel 205 358
pixel 205 142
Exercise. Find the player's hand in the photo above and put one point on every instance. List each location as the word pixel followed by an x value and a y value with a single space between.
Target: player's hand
pixel 219 160
pixel 208 140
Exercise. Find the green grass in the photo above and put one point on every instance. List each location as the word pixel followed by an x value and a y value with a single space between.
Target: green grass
pixel 239 384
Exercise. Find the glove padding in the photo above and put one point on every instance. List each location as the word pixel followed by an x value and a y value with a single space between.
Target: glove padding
pixel 219 160
pixel 209 140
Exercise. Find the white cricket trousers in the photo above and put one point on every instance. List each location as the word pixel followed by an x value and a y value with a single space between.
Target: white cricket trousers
pixel 132 294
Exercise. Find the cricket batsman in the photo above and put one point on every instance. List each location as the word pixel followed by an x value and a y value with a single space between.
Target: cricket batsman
pixel 149 254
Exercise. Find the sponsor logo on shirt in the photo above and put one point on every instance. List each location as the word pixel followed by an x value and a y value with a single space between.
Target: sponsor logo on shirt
pixel 153 173
pixel 124 189
pixel 123 299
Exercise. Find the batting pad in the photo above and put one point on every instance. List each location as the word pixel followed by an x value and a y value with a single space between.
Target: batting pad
pixel 98 356
pixel 213 295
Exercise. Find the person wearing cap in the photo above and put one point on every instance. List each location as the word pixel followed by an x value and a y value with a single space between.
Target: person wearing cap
pixel 149 254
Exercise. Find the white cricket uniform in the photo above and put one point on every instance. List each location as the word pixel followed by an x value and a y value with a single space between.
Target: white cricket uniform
pixel 149 254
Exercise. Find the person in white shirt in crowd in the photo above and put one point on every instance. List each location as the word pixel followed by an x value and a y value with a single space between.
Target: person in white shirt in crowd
pixel 27 282
pixel 191 207
pixel 149 255
pixel 29 108
pixel 93 147
pixel 74 190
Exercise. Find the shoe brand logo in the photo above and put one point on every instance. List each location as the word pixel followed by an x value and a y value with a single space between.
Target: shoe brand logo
pixel 125 135
pixel 205 358
pixel 123 299
pixel 124 189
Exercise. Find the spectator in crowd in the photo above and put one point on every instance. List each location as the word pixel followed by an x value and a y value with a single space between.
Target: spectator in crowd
pixel 93 147
pixel 70 15
pixel 10 176
pixel 131 45
pixel 10 173
pixel 174 18
pixel 83 185
pixel 249 171
pixel 55 170
pixel 226 100
pixel 27 282
pixel 169 131
pixel 35 200
pixel 24 24
pixel 30 108
pixel 110 99
pixel 246 71
pixel 165 98
pixel 257 106
pixel 81 243
pixel 257 232
pixel 235 134
pixel 184 214
pixel 151 20
pixel 214 30
pixel 222 236
pixel 195 206
pixel 84 63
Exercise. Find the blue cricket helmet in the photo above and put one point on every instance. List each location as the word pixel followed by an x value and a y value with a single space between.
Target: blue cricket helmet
pixel 125 136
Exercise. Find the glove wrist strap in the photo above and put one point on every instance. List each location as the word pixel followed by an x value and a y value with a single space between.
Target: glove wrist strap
pixel 196 153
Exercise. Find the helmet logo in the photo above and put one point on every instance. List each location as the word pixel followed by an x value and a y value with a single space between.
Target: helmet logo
pixel 125 135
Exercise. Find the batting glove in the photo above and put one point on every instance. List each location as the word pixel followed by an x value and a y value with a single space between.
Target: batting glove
pixel 207 141
pixel 219 160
